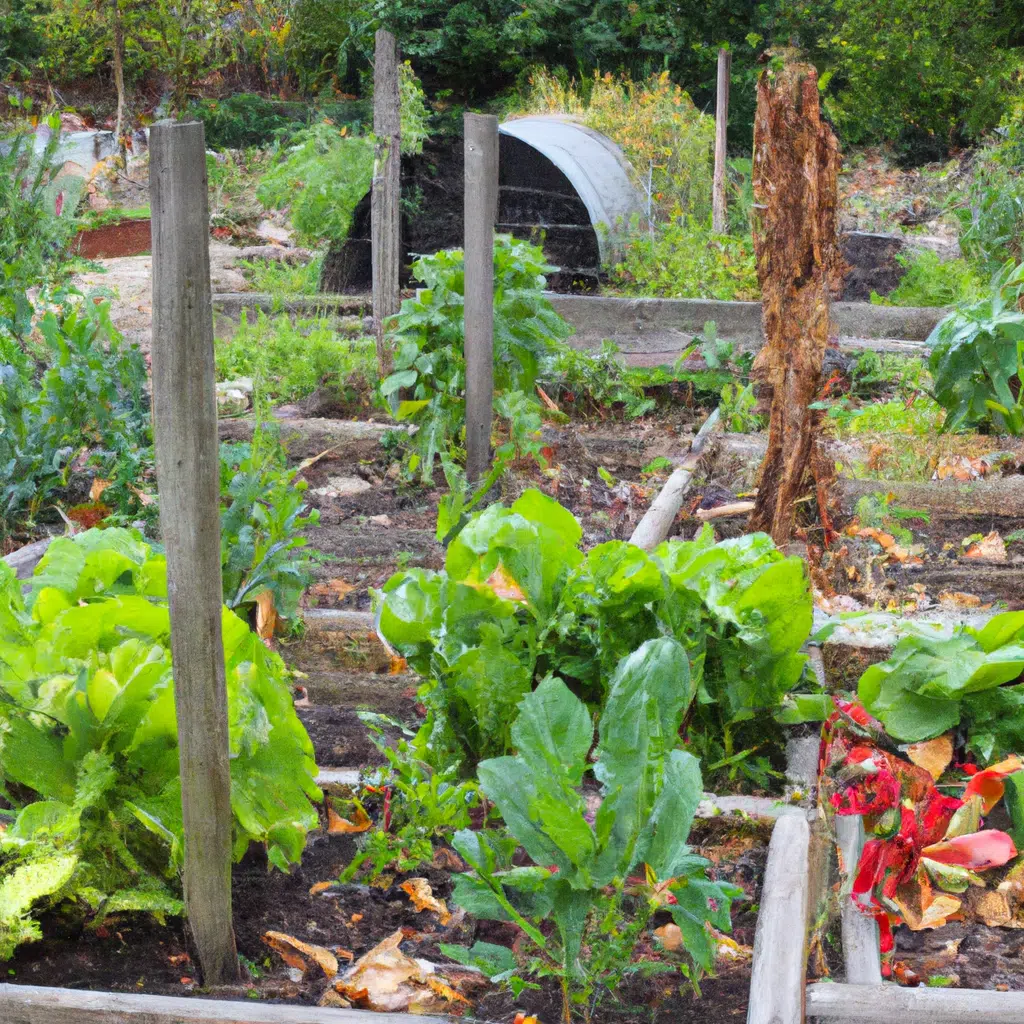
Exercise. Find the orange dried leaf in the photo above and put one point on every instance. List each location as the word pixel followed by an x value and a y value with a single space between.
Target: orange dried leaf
pixel 932 755
pixel 266 615
pixel 991 547
pixel 522 1018
pixel 397 666
pixel 418 890
pixel 320 887
pixel 293 951
pixel 336 823
pixel 670 936
pixel 98 487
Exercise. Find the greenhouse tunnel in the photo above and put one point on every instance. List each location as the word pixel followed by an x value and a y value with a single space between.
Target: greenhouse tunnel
pixel 562 185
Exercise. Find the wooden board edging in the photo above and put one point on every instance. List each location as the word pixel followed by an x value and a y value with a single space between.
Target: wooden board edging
pixel 890 1002
pixel 31 1004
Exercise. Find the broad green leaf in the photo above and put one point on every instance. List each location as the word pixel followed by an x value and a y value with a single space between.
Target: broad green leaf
pixel 554 730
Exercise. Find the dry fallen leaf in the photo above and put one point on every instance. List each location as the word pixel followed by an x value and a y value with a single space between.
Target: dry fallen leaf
pixel 336 587
pixel 932 755
pixel 320 887
pixel 991 547
pixel 331 998
pixel 336 823
pixel 670 936
pixel 266 615
pixel 423 898
pixel 386 980
pixel 522 1018
pixel 959 599
pixel 397 665
pixel 294 951
pixel 98 487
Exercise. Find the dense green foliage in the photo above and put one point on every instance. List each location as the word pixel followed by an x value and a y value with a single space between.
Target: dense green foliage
pixel 649 793
pixel 428 339
pixel 977 359
pixel 88 739
pixel 82 389
pixel 930 685
pixel 519 600
pixel 930 281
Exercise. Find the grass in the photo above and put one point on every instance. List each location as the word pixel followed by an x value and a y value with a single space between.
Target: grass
pixel 289 360
pixel 280 278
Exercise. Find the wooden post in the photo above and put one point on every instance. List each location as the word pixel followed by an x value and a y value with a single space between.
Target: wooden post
pixel 385 217
pixel 480 212
pixel 719 219
pixel 188 480
pixel 799 266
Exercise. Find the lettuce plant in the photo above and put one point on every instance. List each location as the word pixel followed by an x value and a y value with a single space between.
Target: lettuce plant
pixel 649 792
pixel 518 600
pixel 930 685
pixel 88 739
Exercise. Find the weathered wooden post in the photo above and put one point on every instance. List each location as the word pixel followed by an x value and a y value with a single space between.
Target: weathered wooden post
pixel 719 218
pixel 480 209
pixel 799 265
pixel 385 217
pixel 188 480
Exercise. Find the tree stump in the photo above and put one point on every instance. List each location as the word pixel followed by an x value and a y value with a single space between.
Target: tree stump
pixel 800 268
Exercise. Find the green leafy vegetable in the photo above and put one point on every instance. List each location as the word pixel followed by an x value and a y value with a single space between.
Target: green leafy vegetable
pixel 88 738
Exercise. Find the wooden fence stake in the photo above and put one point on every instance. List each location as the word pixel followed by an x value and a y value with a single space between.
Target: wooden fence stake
pixel 719 219
pixel 188 480
pixel 480 212
pixel 385 216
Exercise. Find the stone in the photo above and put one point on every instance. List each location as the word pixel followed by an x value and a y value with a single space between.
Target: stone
pixel 341 486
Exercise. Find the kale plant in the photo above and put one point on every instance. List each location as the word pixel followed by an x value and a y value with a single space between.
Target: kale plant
pixel 648 793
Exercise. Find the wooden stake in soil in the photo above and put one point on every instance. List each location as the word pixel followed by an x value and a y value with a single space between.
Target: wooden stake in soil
pixel 719 219
pixel 385 218
pixel 480 211
pixel 188 480
pixel 799 266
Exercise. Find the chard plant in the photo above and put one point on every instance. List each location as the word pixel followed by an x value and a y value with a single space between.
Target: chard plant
pixel 89 745
pixel 518 600
pixel 582 862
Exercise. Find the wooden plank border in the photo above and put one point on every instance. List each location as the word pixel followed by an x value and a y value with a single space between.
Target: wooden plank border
pixel 31 1004
pixel 889 1002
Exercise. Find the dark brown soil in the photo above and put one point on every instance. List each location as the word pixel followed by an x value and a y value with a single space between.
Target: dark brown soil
pixel 339 738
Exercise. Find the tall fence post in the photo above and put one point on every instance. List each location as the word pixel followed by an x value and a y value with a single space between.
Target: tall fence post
pixel 480 212
pixel 719 217
pixel 385 197
pixel 188 480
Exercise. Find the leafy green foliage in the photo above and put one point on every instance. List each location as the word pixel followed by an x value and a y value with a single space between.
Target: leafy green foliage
pixel 428 339
pixel 991 211
pixel 88 738
pixel 930 685
pixel 518 601
pixel 320 175
pixel 977 359
pixel 684 259
pixel 649 793
pixel 738 407
pixel 930 281
pixel 292 358
pixel 262 526
pixel 89 394
pixel 37 224
pixel 241 120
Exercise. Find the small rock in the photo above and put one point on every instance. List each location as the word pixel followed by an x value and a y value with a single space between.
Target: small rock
pixel 339 486
pixel 382 520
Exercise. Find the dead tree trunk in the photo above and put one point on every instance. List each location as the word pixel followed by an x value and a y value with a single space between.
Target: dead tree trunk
pixel 385 223
pixel 118 26
pixel 799 267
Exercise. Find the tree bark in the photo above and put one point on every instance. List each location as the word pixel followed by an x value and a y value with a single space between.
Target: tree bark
pixel 119 77
pixel 799 267
pixel 385 220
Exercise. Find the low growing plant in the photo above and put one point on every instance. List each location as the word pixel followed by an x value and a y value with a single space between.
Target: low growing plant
pixel 930 685
pixel 88 740
pixel 518 601
pixel 930 281
pixel 582 862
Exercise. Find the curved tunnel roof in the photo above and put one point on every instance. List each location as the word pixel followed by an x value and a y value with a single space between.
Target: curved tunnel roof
pixel 593 164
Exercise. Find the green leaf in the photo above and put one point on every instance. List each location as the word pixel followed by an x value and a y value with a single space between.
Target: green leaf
pixel 553 730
